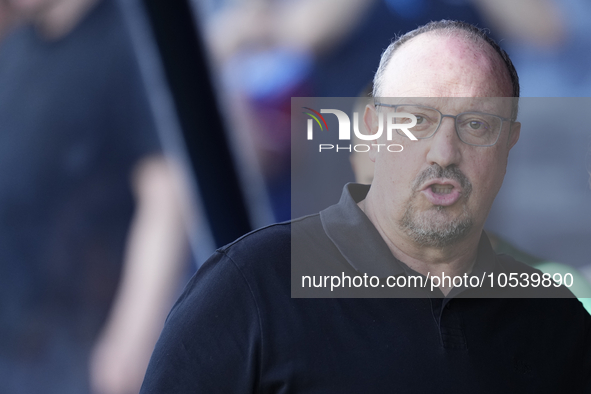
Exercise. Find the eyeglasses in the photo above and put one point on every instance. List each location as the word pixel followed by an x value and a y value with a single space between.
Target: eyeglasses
pixel 472 128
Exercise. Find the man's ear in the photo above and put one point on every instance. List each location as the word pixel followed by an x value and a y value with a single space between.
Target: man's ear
pixel 370 118
pixel 514 132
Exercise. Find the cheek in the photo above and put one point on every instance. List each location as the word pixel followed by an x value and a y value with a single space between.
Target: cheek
pixel 486 172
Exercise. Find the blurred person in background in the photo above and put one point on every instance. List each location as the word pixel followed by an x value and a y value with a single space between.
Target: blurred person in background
pixel 92 241
pixel 266 51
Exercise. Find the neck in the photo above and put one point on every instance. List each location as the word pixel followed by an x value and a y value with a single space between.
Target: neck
pixel 453 260
pixel 61 17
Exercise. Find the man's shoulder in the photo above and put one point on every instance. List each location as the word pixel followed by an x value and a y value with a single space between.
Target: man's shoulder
pixel 255 268
pixel 272 240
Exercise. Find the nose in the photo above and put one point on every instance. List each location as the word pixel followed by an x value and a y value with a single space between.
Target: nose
pixel 445 145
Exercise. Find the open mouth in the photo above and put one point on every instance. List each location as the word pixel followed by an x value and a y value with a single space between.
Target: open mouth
pixel 441 189
pixel 442 192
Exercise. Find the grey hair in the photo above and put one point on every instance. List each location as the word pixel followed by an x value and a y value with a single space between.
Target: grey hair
pixel 448 27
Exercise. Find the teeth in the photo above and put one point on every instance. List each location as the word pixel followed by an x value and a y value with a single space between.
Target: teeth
pixel 442 189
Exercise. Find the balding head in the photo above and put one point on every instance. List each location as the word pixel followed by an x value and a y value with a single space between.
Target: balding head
pixel 446 59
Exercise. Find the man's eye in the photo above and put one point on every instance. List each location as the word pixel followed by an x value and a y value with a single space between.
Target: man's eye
pixel 475 125
pixel 420 119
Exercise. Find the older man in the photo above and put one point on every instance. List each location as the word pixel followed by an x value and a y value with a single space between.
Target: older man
pixel 237 328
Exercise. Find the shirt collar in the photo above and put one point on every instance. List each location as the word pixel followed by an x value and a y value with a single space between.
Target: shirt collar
pixel 363 247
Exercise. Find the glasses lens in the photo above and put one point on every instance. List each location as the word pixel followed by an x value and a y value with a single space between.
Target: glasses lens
pixel 478 129
pixel 427 120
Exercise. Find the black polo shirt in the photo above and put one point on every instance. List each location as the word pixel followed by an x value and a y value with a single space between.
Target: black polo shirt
pixel 236 328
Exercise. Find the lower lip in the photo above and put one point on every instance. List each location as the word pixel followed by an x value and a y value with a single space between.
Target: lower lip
pixel 442 199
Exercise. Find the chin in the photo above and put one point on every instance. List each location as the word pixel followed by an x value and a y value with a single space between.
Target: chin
pixel 438 226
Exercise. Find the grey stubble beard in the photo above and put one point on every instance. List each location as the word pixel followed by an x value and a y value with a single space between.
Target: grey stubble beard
pixel 443 231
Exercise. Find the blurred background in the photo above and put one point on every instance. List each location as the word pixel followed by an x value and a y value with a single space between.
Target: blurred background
pixel 138 136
